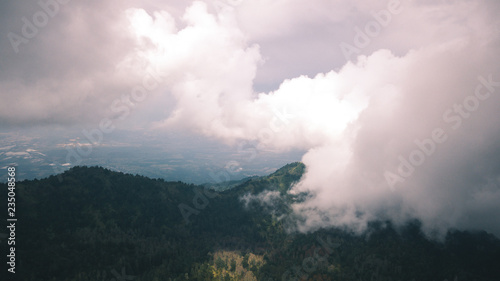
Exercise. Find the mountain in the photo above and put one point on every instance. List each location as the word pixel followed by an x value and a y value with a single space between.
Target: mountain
pixel 90 223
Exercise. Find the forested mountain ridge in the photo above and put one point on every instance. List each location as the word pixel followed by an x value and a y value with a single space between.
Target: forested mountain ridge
pixel 90 223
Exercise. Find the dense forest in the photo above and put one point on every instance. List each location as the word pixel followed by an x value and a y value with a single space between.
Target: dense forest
pixel 90 223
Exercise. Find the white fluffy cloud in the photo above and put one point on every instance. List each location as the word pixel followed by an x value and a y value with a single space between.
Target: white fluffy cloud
pixel 357 122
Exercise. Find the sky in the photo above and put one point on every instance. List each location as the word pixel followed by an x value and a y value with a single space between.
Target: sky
pixel 393 105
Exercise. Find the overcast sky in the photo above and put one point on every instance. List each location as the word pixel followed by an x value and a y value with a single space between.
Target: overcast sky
pixel 395 102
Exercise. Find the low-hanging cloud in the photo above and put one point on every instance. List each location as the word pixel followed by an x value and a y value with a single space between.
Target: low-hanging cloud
pixel 358 121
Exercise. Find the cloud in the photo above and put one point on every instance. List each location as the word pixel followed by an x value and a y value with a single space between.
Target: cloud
pixel 266 199
pixel 358 121
pixel 81 60
pixel 66 70
pixel 348 176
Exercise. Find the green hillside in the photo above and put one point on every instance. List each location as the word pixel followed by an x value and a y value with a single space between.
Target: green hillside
pixel 90 223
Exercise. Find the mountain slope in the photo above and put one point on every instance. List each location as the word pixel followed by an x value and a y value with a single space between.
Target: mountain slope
pixel 94 224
